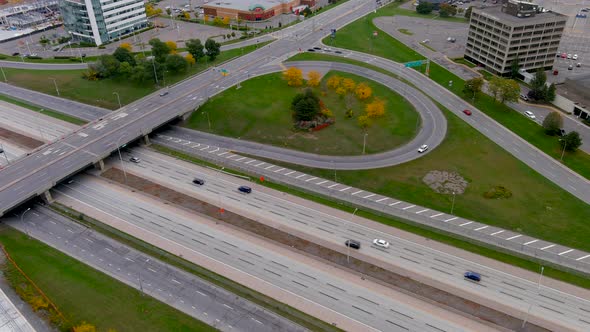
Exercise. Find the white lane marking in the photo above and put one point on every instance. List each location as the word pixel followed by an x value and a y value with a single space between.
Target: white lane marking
pixel 394 203
pixel 334 185
pixel 579 259
pixel 262 163
pixel 268 167
pixel 312 178
pixel 343 189
pixel 107 249
pixel 250 161
pixel 322 182
pixel 514 237
pixel 533 241
pixel 356 192
pixel 69 230
pixel 370 195
pixel 201 293
pixel 53 222
pixel 87 239
pixel 176 281
pixel 298 176
pixel 241 159
pixel 572 187
pixel 467 223
pixel 547 247
pixel 129 259
pixel 224 153
pixel 230 308
pixel 482 227
pixel 436 215
pixel 382 199
pixel 278 170
pixel 408 207
pixel 565 252
pixel 451 219
pixel 205 148
pixel 288 173
pixel 498 232
pixel 231 156
pixel 422 211
pixel 256 320
pixel 196 146
pixel 149 268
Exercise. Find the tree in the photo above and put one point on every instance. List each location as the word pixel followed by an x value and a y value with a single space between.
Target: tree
pixel 313 78
pixel 473 86
pixel 226 20
pixel 363 91
pixel 306 12
pixel 125 69
pixel 217 20
pixel 504 89
pixel 84 327
pixel 175 63
pixel 550 94
pixel 190 59
pixel 151 11
pixel 305 106
pixel 364 121
pixel 213 49
pixel 196 14
pixel 375 109
pixel 494 87
pixel 107 65
pixel 124 55
pixel 126 46
pixel 186 15
pixel 552 123
pixel 171 46
pixel 348 84
pixel 447 10
pixel 334 82
pixel 195 48
pixel 168 11
pixel 294 76
pixel 468 12
pixel 514 68
pixel 424 8
pixel 341 91
pixel 159 49
pixel 571 141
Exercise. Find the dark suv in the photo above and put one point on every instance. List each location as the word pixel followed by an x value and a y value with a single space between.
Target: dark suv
pixel 245 189
pixel 353 244
pixel 200 182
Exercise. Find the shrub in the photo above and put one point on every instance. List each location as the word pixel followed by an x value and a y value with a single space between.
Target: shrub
pixel 498 192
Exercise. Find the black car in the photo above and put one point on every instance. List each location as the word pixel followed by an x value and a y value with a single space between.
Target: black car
pixel 338 52
pixel 317 48
pixel 245 189
pixel 561 132
pixel 472 276
pixel 198 181
pixel 353 244
pixel 310 50
pixel 15 54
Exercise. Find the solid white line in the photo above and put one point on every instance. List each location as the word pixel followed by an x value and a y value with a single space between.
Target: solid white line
pixel 310 179
pixel 370 195
pixel 565 252
pixel 579 259
pixel 356 192
pixel 498 232
pixel 382 199
pixel 344 189
pixel 334 185
pixel 482 227
pixel 514 237
pixel 422 211
pixel 533 241
pixel 394 203
pixel 201 293
pixel 467 223
pixel 319 183
pixel 547 247
pixel 297 177
pixel 408 207
pixel 290 173
pixel 225 305
pixel 436 215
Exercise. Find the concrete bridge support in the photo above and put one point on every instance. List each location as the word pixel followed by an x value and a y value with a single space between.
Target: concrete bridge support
pixel 46 196
pixel 100 166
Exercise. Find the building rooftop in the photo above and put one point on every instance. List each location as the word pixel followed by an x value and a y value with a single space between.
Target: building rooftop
pixel 496 13
pixel 577 89
pixel 245 5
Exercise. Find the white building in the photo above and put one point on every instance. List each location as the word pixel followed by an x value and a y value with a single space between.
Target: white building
pixel 101 21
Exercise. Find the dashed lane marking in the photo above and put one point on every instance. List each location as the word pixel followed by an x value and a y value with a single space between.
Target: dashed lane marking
pixel 451 219
pixel 480 228
pixel 498 232
pixel 565 252
pixel 547 247
pixel 514 237
pixel 408 207
pixel 533 241
pixel 382 199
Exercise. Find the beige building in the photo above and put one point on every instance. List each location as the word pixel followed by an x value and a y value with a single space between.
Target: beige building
pixel 514 30
pixel 256 10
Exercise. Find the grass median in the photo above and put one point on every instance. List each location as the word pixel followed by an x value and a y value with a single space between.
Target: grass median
pixel 355 36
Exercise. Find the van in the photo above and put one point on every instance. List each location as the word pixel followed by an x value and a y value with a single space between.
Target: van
pixel 353 244
pixel 245 189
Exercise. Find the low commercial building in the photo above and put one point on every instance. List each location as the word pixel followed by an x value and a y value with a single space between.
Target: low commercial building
pixel 253 11
pixel 574 96
pixel 102 21
pixel 514 30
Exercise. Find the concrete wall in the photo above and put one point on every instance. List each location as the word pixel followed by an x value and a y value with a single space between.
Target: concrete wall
pixel 564 103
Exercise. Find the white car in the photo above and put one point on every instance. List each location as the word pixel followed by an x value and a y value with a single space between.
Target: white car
pixel 134 160
pixel 530 114
pixel 381 243
pixel 569 56
pixel 423 148
pixel 575 57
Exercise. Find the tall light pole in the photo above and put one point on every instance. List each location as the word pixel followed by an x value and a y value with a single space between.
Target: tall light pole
pixel 121 159
pixel 118 98
pixel 564 145
pixel 453 204
pixel 208 120
pixel 22 216
pixel 55 83
pixel 364 141
pixel 3 74
pixel 155 73
pixel 524 321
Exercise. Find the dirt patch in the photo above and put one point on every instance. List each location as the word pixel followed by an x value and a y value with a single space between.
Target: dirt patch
pixel 20 140
pixel 445 182
pixel 391 279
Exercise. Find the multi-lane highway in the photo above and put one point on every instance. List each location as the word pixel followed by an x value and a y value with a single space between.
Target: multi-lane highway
pixel 562 309
pixel 314 288
pixel 35 125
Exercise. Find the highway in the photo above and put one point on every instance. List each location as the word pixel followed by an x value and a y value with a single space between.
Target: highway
pixel 505 290
pixel 179 289
pixel 315 286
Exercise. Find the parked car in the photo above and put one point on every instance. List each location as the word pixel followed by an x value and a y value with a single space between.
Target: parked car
pixel 338 52
pixel 15 54
pixel 575 57
pixel 134 160
pixel 563 55
pixel 198 181
pixel 561 132
pixel 578 65
pixel 472 276
pixel 245 189
pixel 530 114
pixel 569 56
pixel 570 67
pixel 353 244
pixel 422 148
pixel 555 72
pixel 381 243
pixel 467 112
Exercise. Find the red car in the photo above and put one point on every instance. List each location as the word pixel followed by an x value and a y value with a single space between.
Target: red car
pixel 467 112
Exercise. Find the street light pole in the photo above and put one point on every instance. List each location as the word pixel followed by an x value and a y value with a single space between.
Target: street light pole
pixel 55 83
pixel 121 159
pixel 365 142
pixel 155 73
pixel 563 152
pixel 22 216
pixel 3 74
pixel 453 204
pixel 118 98
pixel 208 120
pixel 524 321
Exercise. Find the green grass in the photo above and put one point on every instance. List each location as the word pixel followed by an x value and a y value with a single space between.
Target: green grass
pixel 405 32
pixel 51 113
pixel 84 294
pixel 486 74
pixel 244 113
pixel 71 85
pixel 433 234
pixel 355 37
pixel 464 62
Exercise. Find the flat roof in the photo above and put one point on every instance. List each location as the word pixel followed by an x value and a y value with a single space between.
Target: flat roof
pixel 245 5
pixel 577 89
pixel 496 13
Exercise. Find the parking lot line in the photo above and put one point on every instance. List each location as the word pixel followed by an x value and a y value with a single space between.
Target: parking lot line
pixel 343 189
pixel 451 219
pixel 530 242
pixel 333 185
pixel 322 182
pixel 408 207
pixel 370 195
pixel 290 173
pixel 565 252
pixel 579 259
pixel 422 211
pixel 394 203
pixel 467 223
pixel 480 228
pixel 498 232
pixel 436 215
pixel 356 192
pixel 382 199
pixel 514 237
pixel 547 247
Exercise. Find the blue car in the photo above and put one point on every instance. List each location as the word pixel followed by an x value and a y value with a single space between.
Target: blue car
pixel 472 276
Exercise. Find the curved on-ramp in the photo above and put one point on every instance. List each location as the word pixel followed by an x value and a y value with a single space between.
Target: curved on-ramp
pixel 432 131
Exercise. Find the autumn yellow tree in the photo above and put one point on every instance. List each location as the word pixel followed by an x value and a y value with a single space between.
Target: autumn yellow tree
pixel 313 78
pixel 348 84
pixel 126 46
pixel 226 20
pixel 375 109
pixel 151 11
pixel 334 82
pixel 341 91
pixel 172 46
pixel 190 59
pixel 84 327
pixel 294 76
pixel 363 91
pixel 186 15
pixel 206 18
pixel 364 122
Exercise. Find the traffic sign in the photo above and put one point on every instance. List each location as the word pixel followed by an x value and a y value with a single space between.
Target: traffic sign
pixel 414 63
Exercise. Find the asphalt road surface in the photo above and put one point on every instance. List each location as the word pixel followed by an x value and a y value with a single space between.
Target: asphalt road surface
pixel 506 290
pixel 350 299
pixel 179 289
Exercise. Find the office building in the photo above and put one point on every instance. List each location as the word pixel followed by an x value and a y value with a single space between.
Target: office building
pixel 256 10
pixel 514 30
pixel 102 21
